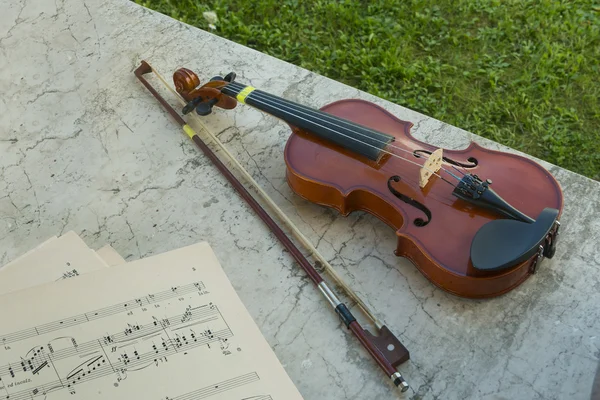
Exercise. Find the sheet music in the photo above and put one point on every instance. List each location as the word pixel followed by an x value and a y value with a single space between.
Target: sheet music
pixel 110 256
pixel 64 257
pixel 168 327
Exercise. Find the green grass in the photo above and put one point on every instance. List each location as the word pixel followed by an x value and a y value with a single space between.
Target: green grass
pixel 522 73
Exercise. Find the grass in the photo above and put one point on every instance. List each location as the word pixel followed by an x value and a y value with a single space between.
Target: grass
pixel 522 73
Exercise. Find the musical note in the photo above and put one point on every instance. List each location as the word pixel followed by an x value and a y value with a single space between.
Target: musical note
pixel 93 315
pixel 96 367
pixel 70 274
pixel 131 329
pixel 187 314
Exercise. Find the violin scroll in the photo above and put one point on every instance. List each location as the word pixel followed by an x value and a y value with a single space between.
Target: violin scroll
pixel 202 98
pixel 185 81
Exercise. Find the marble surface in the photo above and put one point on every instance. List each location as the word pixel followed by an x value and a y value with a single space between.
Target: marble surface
pixel 84 147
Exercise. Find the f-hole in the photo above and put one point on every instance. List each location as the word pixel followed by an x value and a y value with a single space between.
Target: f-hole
pixel 409 200
pixel 472 161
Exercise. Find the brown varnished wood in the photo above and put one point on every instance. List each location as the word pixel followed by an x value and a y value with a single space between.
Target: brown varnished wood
pixel 328 175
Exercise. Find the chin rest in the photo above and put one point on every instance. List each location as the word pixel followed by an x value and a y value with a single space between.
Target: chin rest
pixel 504 243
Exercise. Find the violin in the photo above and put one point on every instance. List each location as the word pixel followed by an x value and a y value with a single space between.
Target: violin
pixel 476 222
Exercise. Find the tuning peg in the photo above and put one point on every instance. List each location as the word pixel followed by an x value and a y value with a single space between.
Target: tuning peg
pixel 230 77
pixel 205 108
pixel 191 105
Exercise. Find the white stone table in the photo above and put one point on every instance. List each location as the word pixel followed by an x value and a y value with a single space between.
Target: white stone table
pixel 84 147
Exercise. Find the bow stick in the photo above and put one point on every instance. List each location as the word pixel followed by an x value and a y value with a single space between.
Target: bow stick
pixel 386 349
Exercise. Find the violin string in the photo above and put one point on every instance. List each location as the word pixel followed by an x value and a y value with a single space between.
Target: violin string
pixel 458 170
pixel 443 199
pixel 311 111
pixel 370 145
pixel 318 116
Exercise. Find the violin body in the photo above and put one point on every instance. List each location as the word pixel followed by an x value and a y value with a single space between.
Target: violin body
pixel 327 174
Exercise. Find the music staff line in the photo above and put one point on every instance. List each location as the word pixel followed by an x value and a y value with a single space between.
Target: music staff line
pixel 261 397
pixel 196 315
pixel 221 387
pixel 101 313
pixel 98 368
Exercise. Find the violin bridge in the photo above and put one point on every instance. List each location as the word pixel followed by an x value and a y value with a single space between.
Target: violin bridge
pixel 431 166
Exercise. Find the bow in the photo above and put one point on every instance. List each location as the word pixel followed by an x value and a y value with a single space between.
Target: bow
pixel 385 348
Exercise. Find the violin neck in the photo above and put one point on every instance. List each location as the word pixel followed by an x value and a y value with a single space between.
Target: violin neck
pixel 349 135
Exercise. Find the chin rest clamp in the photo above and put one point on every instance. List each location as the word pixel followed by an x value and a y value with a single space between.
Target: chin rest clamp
pixel 546 250
pixel 537 260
